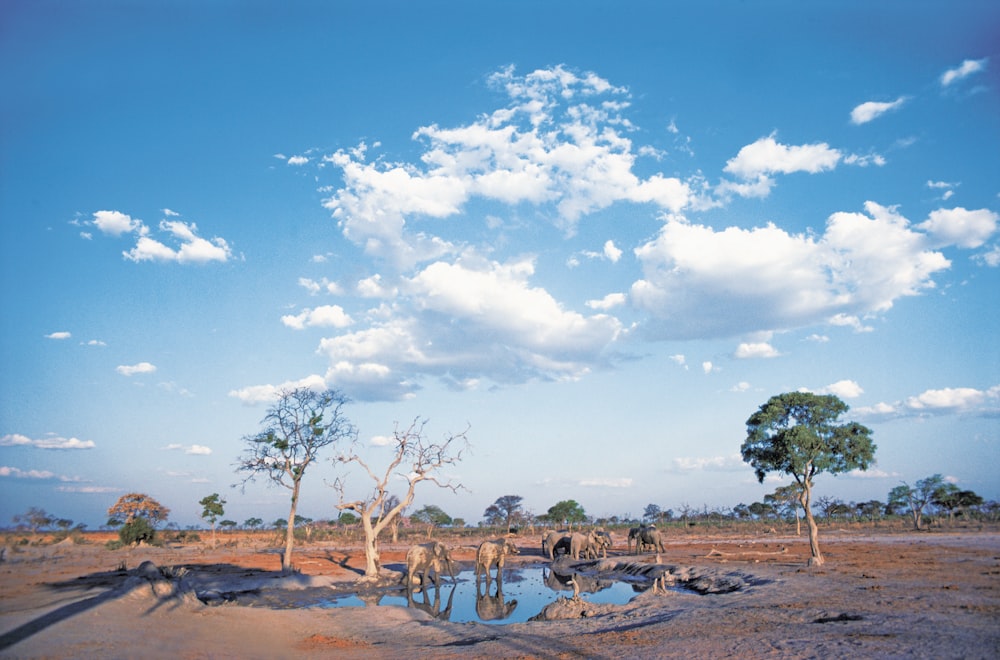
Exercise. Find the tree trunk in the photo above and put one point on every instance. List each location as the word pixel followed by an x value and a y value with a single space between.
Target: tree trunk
pixel 816 559
pixel 371 547
pixel 286 557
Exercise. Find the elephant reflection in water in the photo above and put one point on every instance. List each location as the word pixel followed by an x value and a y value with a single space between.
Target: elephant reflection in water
pixel 575 582
pixel 493 607
pixel 427 605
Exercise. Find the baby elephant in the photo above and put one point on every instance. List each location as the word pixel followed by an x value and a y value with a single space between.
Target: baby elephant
pixel 428 560
pixel 493 553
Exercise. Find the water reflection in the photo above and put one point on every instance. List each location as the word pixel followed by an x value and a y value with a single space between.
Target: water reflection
pixel 525 591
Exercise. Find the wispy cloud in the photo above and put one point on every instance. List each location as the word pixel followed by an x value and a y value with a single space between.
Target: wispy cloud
pixel 937 402
pixel 962 71
pixel 870 110
pixel 133 369
pixel 48 442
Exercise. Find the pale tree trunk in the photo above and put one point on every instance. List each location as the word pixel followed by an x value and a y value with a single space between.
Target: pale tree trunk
pixel 372 564
pixel 816 558
pixel 286 557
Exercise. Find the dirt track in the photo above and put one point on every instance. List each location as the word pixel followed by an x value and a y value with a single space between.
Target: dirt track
pixel 934 594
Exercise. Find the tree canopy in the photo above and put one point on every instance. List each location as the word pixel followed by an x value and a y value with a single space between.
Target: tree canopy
pixel 294 430
pixel 566 512
pixel 798 433
pixel 506 510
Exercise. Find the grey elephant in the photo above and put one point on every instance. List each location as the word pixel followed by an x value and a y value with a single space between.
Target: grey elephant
pixel 493 607
pixel 650 537
pixel 549 542
pixel 633 535
pixel 493 553
pixel 561 546
pixel 583 544
pixel 600 544
pixel 428 560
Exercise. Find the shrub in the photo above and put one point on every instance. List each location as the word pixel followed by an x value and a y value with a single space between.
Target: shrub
pixel 135 531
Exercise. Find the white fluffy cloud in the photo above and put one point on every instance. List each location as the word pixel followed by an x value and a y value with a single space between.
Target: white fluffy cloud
pixel 49 442
pixel 257 394
pixel 701 282
pixel 957 226
pixel 870 110
pixel 133 369
pixel 324 316
pixel 751 350
pixel 59 335
pixel 845 389
pixel 944 401
pixel 190 248
pixel 768 156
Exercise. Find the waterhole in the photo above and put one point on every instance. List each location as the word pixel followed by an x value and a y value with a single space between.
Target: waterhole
pixel 525 592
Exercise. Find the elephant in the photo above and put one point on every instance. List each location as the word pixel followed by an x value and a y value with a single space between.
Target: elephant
pixel 493 553
pixel 493 607
pixel 601 543
pixel 549 543
pixel 633 535
pixel 584 544
pixel 649 536
pixel 561 546
pixel 427 560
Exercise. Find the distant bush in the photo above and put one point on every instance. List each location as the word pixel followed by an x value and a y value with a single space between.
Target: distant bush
pixel 137 530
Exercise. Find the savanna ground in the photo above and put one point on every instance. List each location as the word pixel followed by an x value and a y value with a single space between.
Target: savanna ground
pixel 881 593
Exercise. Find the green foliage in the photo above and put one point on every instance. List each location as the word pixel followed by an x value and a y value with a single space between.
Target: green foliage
pixel 432 515
pixel 212 508
pixel 347 518
pixel 137 530
pixel 797 433
pixel 566 512
pixel 252 523
pixel 506 511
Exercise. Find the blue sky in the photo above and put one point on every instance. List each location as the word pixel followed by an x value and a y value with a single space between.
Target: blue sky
pixel 601 237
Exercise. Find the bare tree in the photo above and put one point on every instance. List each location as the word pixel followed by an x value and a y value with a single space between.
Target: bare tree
pixel 294 430
pixel 423 460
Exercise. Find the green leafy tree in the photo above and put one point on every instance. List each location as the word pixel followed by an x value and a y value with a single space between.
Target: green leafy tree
pixel 652 513
pixel 295 429
pixel 432 516
pixel 786 499
pixel 952 499
pixel 212 510
pixel 914 500
pixel 34 519
pixel 138 514
pixel 798 433
pixel 566 513
pixel 506 510
pixel 252 523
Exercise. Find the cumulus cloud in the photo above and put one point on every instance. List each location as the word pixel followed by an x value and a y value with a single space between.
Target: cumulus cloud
pixel 329 316
pixel 58 335
pixel 768 156
pixel 845 389
pixel 962 71
pixel 702 282
pixel 189 247
pixel 258 394
pixel 192 248
pixel 957 226
pixel 755 350
pixel 115 223
pixel 609 301
pixel 870 110
pixel 936 402
pixel 48 442
pixel 133 369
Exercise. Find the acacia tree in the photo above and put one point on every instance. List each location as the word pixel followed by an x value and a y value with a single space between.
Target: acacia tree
pixel 797 433
pixel 138 514
pixel 506 509
pixel 788 498
pixel 212 510
pixel 34 518
pixel 422 459
pixel 915 500
pixel 300 424
pixel 566 512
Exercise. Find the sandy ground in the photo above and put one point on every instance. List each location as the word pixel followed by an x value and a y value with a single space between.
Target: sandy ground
pixel 931 594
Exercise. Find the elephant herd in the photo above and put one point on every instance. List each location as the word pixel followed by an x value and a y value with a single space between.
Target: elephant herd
pixel 427 562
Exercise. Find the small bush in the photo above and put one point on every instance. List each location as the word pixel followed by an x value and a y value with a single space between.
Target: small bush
pixel 136 531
